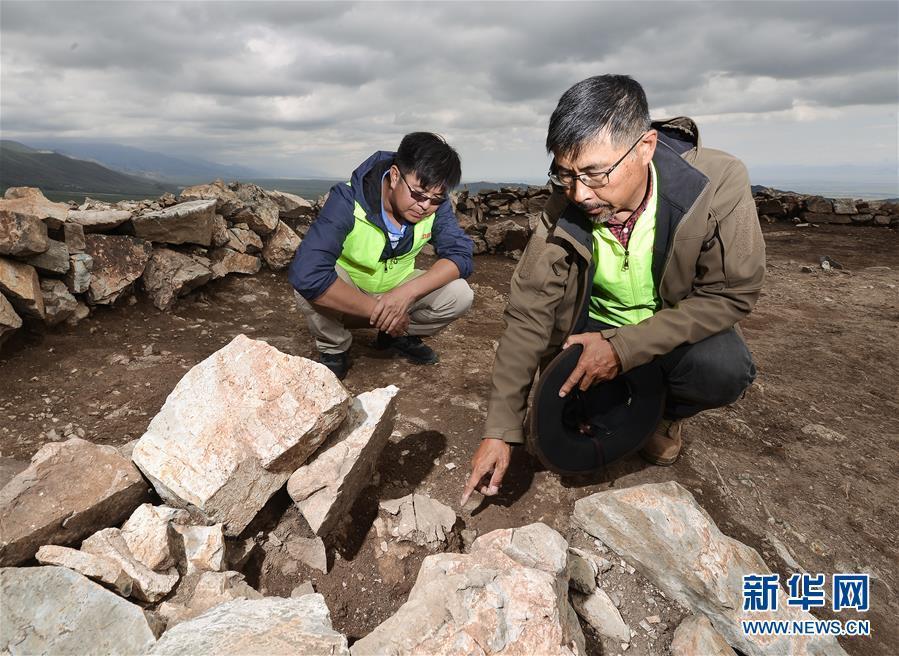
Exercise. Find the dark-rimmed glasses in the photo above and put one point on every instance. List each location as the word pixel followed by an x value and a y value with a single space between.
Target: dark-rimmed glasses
pixel 419 197
pixel 594 180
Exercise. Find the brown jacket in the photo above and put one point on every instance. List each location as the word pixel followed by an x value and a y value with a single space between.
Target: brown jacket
pixel 708 268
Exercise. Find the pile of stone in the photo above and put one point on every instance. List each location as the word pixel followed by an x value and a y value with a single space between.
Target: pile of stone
pixel 500 221
pixel 774 205
pixel 58 261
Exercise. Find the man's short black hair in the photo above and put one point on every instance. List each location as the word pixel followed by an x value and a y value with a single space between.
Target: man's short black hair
pixel 431 159
pixel 611 104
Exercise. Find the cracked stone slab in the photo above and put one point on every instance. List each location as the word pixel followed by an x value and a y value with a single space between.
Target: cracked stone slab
pixel 416 518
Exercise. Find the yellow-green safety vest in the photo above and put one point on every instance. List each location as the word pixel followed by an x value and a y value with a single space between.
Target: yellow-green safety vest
pixel 362 249
pixel 623 289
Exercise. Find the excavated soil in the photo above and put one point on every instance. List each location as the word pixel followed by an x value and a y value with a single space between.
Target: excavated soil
pixel 826 345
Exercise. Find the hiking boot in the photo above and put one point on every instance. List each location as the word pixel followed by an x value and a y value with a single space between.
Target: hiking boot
pixel 410 346
pixel 338 363
pixel 663 447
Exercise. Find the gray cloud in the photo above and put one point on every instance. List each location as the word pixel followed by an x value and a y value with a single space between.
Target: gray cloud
pixel 286 84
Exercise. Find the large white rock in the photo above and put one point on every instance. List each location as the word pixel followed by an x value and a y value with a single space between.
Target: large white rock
pixel 509 596
pixel 271 626
pixel 600 612
pixel 661 531
pixel 70 490
pixel 148 585
pixel 235 427
pixel 150 535
pixel 695 636
pixel 325 488
pixel 53 610
pixel 190 222
pixel 103 570
pixel 280 246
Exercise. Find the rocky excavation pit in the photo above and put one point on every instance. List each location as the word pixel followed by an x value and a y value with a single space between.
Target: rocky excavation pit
pixel 300 514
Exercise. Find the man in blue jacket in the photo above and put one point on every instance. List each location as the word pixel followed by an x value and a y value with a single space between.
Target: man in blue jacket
pixel 356 265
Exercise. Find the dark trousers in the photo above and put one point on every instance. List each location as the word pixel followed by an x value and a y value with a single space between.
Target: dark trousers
pixel 711 373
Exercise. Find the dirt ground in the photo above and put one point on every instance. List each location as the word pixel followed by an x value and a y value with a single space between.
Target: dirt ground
pixel 805 468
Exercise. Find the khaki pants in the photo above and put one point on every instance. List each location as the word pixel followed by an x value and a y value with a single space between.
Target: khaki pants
pixel 427 316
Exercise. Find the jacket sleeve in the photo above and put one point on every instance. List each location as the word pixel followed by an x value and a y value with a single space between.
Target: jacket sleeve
pixel 451 242
pixel 730 271
pixel 537 288
pixel 312 269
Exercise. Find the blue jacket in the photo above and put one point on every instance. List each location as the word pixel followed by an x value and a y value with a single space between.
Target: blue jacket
pixel 312 270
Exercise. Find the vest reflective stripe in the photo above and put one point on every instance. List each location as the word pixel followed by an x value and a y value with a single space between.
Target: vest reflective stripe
pixel 623 289
pixel 362 249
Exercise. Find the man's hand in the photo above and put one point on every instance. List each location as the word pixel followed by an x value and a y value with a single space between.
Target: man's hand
pixel 597 363
pixel 391 313
pixel 491 457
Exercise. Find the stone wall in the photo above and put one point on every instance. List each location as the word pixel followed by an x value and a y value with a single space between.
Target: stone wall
pixel 60 260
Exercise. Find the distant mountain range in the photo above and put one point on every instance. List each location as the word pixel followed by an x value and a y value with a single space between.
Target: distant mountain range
pixel 60 175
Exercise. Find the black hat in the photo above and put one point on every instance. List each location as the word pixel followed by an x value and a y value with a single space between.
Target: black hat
pixel 585 431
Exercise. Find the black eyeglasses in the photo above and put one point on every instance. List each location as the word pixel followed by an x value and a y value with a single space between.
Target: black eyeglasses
pixel 594 180
pixel 419 197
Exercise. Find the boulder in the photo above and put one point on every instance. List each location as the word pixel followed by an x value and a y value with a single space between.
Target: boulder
pixel 325 488
pixel 184 223
pixel 118 261
pixel 59 304
pixel 197 594
pixel 78 277
pixel 271 626
pixel 22 287
pixel 818 205
pixel 844 206
pixel 9 320
pixel 243 240
pixel 220 234
pixel 150 535
pixel 506 236
pixel 509 595
pixel 225 261
pixel 236 427
pixel 148 585
pixel 102 570
pixel 259 211
pixel 170 274
pixel 227 202
pixel 204 548
pixel 54 260
pixel 70 490
pixel 695 635
pixel 416 518
pixel 662 532
pixel 30 201
pixel 600 612
pixel 280 246
pixel 99 220
pixel 291 206
pixel 53 610
pixel 73 236
pixel 21 235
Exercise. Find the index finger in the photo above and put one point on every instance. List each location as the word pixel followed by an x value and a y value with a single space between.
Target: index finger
pixel 476 475
pixel 573 379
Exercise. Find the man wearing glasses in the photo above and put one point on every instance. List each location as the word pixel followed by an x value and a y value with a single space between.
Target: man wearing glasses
pixel 356 265
pixel 649 249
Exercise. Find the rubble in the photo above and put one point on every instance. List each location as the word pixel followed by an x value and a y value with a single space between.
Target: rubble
pixel 204 547
pixel 325 488
pixel 70 490
pixel 416 518
pixel 235 428
pixel 196 595
pixel 150 537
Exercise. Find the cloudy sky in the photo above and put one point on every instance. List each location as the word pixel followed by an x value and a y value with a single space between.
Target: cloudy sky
pixel 299 88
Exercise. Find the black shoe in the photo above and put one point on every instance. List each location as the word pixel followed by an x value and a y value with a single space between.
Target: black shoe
pixel 338 363
pixel 409 345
